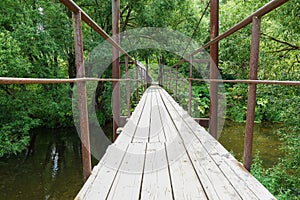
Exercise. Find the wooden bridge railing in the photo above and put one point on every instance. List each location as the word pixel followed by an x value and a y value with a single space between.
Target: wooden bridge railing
pixel 255 19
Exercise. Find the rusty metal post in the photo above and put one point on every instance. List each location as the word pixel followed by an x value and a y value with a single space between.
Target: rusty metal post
pixel 254 59
pixel 137 81
pixel 147 73
pixel 176 83
pixel 82 99
pixel 116 66
pixel 162 70
pixel 170 78
pixel 166 78
pixel 214 31
pixel 190 86
pixel 127 86
pixel 145 79
pixel 159 73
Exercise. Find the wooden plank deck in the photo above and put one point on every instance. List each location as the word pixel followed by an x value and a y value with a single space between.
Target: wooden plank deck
pixel 162 153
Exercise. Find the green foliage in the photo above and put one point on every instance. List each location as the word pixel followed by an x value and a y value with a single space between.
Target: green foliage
pixel 106 110
pixel 16 121
pixel 33 44
pixel 283 179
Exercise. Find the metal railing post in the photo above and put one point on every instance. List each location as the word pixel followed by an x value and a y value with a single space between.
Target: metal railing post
pixel 147 73
pixel 170 78
pixel 214 31
pixel 254 59
pixel 176 83
pixel 82 99
pixel 190 86
pixel 137 81
pixel 127 86
pixel 116 66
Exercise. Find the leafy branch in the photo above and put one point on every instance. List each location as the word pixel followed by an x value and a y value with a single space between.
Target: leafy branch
pixel 289 47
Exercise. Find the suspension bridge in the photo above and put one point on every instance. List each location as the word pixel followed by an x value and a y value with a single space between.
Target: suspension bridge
pixel 162 152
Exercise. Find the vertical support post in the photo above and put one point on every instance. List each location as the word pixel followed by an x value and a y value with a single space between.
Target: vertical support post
pixel 161 71
pixel 176 83
pixel 116 66
pixel 166 79
pixel 170 78
pixel 147 73
pixel 145 79
pixel 82 99
pixel 190 86
pixel 127 86
pixel 137 80
pixel 214 32
pixel 254 59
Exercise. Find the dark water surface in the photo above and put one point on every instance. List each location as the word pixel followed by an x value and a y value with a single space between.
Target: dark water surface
pixel 265 141
pixel 53 170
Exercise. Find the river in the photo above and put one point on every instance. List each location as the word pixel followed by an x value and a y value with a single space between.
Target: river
pixel 53 169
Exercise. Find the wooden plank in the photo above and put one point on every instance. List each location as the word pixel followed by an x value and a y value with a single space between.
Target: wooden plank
pixel 127 183
pixel 215 183
pixel 107 168
pixel 247 186
pixel 142 130
pixel 244 183
pixel 128 131
pixel 168 126
pixel 156 126
pixel 185 182
pixel 241 185
pixel 253 184
pixel 156 181
pixel 88 184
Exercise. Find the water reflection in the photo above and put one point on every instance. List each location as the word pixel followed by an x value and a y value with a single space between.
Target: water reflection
pixel 51 171
pixel 54 157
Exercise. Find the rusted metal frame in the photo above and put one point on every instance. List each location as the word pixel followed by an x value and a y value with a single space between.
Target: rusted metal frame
pixel 147 73
pixel 127 86
pixel 203 122
pixel 254 59
pixel 82 99
pixel 269 82
pixel 75 8
pixel 214 60
pixel 123 62
pixel 11 80
pixel 116 66
pixel 145 78
pixel 137 81
pixel 176 83
pixel 166 78
pixel 190 86
pixel 170 78
pixel 161 71
pixel 259 13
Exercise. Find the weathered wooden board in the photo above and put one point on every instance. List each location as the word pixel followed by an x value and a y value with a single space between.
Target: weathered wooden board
pixel 162 153
pixel 156 181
